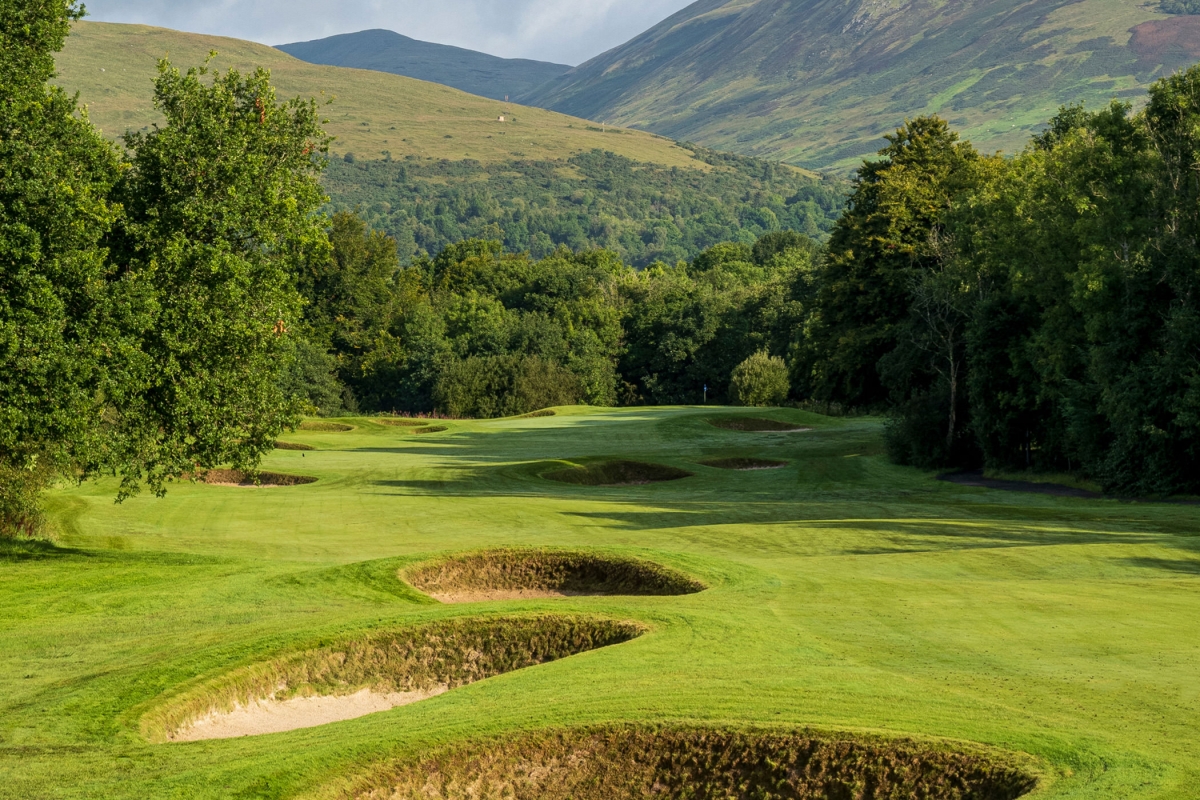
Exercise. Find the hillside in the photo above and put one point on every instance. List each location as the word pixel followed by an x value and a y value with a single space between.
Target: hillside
pixel 112 66
pixel 468 70
pixel 432 165
pixel 817 82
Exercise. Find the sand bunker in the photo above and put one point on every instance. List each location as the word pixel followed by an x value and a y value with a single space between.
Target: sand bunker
pixel 328 427
pixel 527 574
pixel 293 446
pixel 277 716
pixel 744 464
pixel 755 425
pixel 375 672
pixel 631 763
pixel 235 477
pixel 616 473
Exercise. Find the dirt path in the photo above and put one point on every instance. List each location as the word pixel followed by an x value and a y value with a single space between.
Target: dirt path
pixel 276 716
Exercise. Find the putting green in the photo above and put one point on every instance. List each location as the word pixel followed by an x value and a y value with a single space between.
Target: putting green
pixel 845 595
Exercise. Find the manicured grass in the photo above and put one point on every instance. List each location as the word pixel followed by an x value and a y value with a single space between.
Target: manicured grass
pixel 844 594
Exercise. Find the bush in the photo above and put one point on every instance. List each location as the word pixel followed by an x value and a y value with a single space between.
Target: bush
pixel 760 380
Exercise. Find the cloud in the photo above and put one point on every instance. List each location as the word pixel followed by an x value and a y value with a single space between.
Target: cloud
pixel 564 31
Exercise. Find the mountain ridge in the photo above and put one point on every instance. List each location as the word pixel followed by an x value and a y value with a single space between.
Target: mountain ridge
pixel 470 71
pixel 818 82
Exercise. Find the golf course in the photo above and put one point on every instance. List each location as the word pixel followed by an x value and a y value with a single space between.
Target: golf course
pixel 664 595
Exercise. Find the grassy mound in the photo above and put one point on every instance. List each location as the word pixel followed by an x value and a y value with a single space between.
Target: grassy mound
pixel 449 653
pixel 628 763
pixel 430 429
pixel 616 473
pixel 401 422
pixel 755 425
pixel 235 477
pixel 545 412
pixel 321 425
pixel 505 573
pixel 744 463
pixel 293 446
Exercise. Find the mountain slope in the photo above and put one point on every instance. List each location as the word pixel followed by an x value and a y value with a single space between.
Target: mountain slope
pixel 817 82
pixel 112 66
pixel 468 70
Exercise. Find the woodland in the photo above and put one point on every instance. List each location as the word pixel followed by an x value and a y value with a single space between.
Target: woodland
pixel 173 304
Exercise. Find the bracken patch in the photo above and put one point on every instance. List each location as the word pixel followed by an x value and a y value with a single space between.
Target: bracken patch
pixel 514 574
pixel 744 464
pixel 415 659
pixel 328 427
pixel 630 763
pixel 755 425
pixel 617 472
pixel 235 477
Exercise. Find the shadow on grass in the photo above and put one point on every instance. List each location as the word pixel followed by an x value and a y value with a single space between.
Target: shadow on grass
pixel 35 550
pixel 1181 566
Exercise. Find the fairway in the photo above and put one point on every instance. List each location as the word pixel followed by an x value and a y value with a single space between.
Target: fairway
pixel 843 595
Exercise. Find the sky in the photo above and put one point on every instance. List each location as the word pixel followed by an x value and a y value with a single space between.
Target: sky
pixel 562 31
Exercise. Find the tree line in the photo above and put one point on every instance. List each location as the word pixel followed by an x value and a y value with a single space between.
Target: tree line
pixel 171 305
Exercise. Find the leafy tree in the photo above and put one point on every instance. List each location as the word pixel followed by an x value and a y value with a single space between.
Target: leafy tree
pixel 878 247
pixel 760 380
pixel 220 212
pixel 56 335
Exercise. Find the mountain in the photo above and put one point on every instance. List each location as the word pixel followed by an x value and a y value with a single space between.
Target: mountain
pixel 431 165
pixel 112 66
pixel 468 70
pixel 818 82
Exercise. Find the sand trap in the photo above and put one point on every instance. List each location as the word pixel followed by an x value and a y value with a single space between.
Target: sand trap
pixel 277 716
pixel 485 595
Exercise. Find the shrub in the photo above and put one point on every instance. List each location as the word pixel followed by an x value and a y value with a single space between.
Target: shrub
pixel 760 380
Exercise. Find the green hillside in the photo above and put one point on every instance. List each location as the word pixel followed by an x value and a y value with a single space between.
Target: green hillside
pixel 817 82
pixel 432 165
pixel 112 67
pixel 468 70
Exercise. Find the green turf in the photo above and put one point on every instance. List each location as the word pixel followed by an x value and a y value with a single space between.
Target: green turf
pixel 845 594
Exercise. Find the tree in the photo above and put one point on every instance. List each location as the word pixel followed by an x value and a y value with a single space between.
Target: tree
pixel 220 213
pixel 865 283
pixel 760 380
pixel 56 335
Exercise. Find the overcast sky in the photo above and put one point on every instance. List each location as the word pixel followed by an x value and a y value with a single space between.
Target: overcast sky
pixel 564 31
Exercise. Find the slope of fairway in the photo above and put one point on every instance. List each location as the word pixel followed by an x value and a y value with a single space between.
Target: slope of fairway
pixel 818 82
pixel 113 66
pixel 845 596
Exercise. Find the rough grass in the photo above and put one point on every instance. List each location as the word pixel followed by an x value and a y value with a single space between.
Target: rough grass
pixel 755 424
pixel 322 425
pixel 416 658
pixel 430 429
pixel 630 763
pixel 400 422
pixel 227 477
pixel 293 446
pixel 616 472
pixel 545 412
pixel 113 66
pixel 582 573
pixel 744 464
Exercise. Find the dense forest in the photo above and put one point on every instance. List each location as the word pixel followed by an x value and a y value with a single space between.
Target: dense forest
pixel 641 212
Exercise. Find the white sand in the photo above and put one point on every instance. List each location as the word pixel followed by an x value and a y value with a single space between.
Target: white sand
pixel 485 595
pixel 276 716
